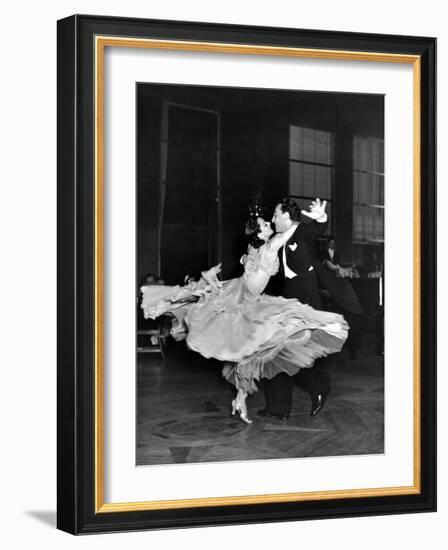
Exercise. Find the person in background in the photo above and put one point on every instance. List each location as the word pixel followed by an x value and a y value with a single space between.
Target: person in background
pixel 331 259
pixel 334 281
pixel 148 279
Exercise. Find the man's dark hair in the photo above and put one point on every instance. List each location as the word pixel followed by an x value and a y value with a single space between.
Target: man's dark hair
pixel 251 231
pixel 290 206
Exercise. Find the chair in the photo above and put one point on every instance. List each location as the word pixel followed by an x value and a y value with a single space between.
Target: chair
pixel 155 341
pixel 151 336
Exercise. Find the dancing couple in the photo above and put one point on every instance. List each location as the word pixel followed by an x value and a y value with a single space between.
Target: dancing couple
pixel 256 335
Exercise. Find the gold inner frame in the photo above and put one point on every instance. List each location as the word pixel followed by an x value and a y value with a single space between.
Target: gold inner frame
pixel 101 42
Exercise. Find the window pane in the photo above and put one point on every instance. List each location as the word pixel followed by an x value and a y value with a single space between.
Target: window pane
pixel 368 154
pixel 310 180
pixel 379 190
pixel 323 182
pixel 309 149
pixel 294 141
pixel 295 178
pixel 361 187
pixel 358 225
pixel 368 189
pixel 368 214
pixel 310 145
pixel 301 179
pixel 379 223
pixel 377 157
pixel 360 154
pixel 368 223
pixel 323 148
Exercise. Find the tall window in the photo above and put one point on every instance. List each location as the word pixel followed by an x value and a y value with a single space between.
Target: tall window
pixel 368 198
pixel 311 166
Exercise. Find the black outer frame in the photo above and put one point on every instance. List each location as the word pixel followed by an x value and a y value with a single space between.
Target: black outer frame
pixel 75 403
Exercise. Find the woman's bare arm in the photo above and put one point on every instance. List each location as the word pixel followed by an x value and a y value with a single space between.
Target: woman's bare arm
pixel 282 238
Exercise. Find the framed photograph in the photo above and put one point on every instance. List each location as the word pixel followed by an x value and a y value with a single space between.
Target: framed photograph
pixel 246 274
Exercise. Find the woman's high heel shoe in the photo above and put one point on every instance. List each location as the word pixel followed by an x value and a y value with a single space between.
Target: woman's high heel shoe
pixel 241 409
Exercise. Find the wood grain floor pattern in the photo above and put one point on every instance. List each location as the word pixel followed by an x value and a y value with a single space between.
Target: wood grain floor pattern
pixel 183 413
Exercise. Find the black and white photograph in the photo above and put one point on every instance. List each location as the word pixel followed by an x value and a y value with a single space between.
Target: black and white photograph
pixel 260 274
pixel 220 275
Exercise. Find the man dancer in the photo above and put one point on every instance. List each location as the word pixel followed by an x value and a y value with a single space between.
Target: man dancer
pixel 300 281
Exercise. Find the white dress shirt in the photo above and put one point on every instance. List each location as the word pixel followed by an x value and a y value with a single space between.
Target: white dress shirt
pixel 289 273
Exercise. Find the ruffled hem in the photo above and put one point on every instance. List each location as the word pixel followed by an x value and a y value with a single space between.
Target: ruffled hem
pixel 257 336
pixel 296 353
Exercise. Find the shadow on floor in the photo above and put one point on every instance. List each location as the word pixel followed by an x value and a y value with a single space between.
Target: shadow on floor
pixel 48 517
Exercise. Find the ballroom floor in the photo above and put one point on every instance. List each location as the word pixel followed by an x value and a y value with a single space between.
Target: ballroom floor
pixel 183 413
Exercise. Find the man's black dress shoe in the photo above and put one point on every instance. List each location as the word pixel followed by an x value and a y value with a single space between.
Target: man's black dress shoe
pixel 264 412
pixel 318 402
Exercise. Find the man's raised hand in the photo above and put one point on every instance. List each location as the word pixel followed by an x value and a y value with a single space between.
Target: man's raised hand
pixel 317 210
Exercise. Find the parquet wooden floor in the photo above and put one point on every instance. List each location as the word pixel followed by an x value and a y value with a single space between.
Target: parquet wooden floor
pixel 183 413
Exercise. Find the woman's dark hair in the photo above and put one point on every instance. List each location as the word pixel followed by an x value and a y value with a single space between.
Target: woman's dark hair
pixel 251 231
pixel 293 209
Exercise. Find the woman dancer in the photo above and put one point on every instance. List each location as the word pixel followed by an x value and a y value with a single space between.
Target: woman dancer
pixel 255 334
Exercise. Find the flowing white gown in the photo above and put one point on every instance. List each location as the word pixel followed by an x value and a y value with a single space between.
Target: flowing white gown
pixel 255 334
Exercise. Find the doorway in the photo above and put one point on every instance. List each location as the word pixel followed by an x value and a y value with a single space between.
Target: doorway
pixel 190 220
